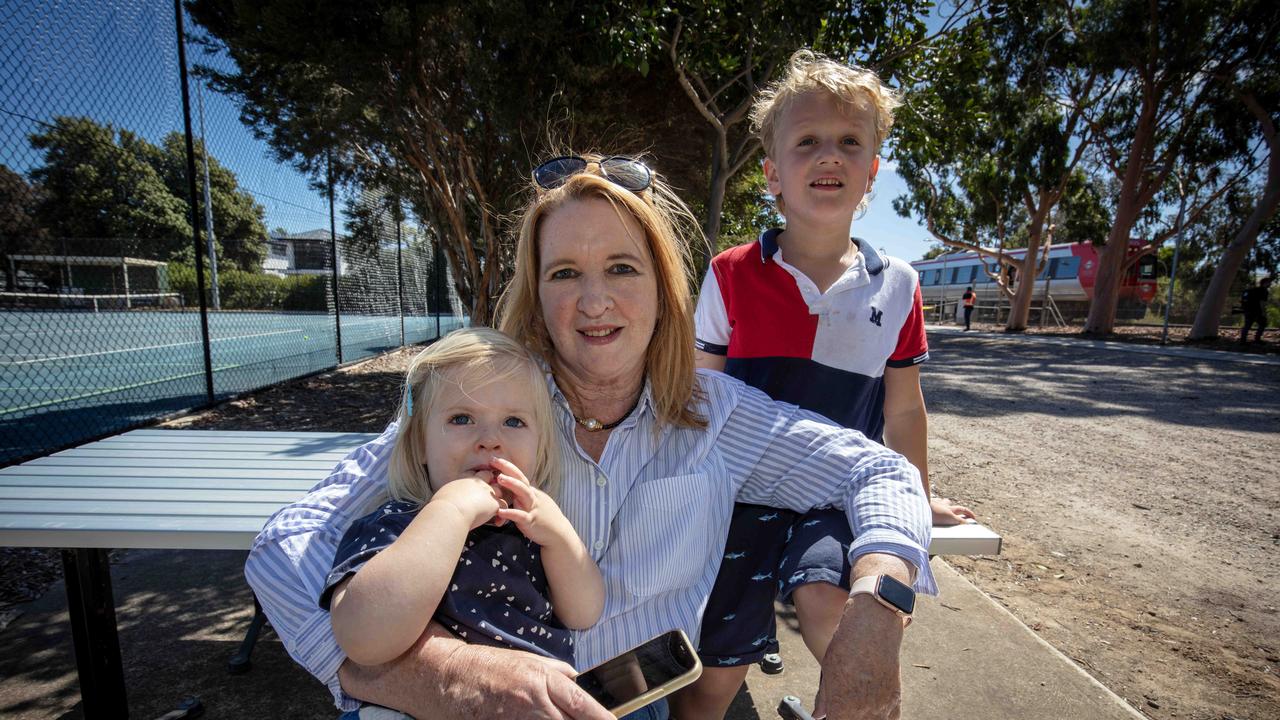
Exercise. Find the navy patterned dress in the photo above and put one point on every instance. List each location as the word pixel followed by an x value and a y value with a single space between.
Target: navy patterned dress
pixel 498 594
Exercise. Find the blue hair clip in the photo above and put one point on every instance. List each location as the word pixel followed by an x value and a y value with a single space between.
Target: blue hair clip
pixel 408 400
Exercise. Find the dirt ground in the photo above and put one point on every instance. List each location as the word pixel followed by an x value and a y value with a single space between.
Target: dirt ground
pixel 1141 526
pixel 1138 506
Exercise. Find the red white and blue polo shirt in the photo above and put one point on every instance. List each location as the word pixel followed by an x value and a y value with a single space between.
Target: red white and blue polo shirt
pixel 825 352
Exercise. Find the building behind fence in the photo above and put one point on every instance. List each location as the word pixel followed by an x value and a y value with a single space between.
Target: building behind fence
pixel 103 325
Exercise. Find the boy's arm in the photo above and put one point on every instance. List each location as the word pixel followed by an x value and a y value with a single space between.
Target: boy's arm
pixel 906 431
pixel 709 361
pixel 711 326
pixel 379 612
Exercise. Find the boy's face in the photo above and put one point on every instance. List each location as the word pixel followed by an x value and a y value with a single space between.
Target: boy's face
pixel 823 160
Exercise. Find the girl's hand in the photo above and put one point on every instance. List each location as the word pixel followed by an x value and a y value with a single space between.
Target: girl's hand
pixel 475 498
pixel 534 512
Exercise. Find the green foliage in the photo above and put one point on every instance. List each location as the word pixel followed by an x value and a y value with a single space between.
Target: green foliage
pixel 96 182
pixel 241 290
pixel 20 231
pixel 99 182
pixel 238 220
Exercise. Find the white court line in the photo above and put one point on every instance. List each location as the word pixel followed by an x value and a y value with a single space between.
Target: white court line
pixel 54 358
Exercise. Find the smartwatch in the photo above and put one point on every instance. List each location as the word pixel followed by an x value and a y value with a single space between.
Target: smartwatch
pixel 889 592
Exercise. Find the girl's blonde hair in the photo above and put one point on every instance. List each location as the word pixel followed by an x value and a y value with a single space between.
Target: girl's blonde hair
pixel 855 87
pixel 471 357
pixel 668 228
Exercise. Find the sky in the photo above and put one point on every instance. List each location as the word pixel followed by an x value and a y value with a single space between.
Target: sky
pixel 116 61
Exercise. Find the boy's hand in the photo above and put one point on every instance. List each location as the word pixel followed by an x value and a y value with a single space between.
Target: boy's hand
pixel 533 511
pixel 945 513
pixel 475 498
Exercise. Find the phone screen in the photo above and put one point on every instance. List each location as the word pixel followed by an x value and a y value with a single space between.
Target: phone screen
pixel 626 677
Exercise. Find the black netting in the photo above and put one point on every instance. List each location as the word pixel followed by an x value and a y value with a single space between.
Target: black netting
pixel 100 308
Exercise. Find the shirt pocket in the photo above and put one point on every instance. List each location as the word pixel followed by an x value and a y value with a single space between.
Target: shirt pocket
pixel 664 535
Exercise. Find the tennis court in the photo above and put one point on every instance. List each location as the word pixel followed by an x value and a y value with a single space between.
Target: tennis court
pixel 70 375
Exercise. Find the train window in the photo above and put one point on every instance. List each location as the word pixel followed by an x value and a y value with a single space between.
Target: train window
pixel 1067 267
pixel 1147 268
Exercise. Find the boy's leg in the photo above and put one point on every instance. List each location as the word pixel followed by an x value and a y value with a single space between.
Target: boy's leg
pixel 815 574
pixel 1244 329
pixel 738 623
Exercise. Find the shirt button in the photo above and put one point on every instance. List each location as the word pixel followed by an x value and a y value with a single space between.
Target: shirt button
pixel 601 481
pixel 598 544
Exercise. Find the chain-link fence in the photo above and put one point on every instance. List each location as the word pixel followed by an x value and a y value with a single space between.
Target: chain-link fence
pixel 113 218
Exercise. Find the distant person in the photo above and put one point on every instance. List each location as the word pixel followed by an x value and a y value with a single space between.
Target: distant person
pixel 473 473
pixel 1254 303
pixel 969 299
pixel 815 318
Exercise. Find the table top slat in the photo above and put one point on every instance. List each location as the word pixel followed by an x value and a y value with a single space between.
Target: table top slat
pixel 141 508
pixel 277 498
pixel 322 467
pixel 214 454
pixel 90 471
pixel 91 480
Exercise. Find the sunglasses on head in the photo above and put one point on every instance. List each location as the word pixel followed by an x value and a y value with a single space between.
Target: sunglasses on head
pixel 627 173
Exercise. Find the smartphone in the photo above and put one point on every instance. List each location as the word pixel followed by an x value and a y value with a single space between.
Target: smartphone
pixel 643 674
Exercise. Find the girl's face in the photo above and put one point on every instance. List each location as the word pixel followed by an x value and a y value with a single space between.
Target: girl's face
pixel 473 419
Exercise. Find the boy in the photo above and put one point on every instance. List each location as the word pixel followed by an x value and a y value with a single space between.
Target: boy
pixel 812 318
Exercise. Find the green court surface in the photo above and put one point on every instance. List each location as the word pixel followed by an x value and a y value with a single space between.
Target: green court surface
pixel 67 376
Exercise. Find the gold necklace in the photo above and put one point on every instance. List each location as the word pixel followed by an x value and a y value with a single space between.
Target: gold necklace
pixel 594 425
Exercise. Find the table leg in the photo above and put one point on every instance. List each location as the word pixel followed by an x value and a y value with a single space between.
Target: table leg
pixel 93 630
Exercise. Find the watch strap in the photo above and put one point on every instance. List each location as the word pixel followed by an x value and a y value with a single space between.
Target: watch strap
pixel 870 585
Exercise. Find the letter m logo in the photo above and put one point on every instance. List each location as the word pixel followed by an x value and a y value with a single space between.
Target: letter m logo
pixel 876 315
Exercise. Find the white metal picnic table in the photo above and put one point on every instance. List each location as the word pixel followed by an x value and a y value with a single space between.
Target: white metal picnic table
pixel 187 490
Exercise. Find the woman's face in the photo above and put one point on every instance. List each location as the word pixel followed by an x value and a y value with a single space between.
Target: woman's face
pixel 599 291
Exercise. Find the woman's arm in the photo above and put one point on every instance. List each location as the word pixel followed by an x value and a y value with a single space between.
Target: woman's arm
pixel 378 612
pixel 441 676
pixel 577 588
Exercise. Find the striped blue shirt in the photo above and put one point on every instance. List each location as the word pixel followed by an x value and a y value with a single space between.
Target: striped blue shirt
pixel 653 513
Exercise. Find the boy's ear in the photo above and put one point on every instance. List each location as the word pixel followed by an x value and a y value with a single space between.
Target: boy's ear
pixel 771 177
pixel 875 168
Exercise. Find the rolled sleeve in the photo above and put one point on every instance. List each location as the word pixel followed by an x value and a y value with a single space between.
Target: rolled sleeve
pixel 792 458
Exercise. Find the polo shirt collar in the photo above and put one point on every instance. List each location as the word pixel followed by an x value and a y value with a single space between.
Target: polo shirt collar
pixel 872 259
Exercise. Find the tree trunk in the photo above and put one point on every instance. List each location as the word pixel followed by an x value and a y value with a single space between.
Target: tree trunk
pixel 715 206
pixel 1209 315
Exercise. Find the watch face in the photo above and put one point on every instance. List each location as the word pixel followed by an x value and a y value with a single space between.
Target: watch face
pixel 897 594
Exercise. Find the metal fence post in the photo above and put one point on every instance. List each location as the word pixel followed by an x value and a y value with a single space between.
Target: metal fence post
pixel 192 197
pixel 333 255
pixel 399 274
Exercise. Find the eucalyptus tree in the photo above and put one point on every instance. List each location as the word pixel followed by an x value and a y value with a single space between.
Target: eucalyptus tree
pixel 1248 102
pixel 987 151
pixel 1146 76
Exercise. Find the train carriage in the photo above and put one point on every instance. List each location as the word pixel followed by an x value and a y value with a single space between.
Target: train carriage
pixel 1067 276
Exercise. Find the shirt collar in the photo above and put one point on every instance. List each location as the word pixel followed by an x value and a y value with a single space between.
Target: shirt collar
pixel 873 260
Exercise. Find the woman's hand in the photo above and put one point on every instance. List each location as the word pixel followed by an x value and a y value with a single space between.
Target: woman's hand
pixel 946 513
pixel 440 676
pixel 475 499
pixel 534 512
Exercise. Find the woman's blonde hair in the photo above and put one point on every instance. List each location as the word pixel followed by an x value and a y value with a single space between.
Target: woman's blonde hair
pixel 668 227
pixel 471 357
pixel 855 87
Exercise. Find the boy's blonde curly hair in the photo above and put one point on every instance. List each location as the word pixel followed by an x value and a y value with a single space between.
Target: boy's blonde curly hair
pixel 807 72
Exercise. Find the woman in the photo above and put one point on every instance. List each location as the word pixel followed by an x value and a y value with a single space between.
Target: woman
pixel 655 456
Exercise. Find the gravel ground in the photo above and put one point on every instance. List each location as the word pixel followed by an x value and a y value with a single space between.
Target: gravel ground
pixel 1140 536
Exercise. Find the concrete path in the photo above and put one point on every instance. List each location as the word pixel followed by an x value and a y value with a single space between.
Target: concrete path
pixel 965 656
